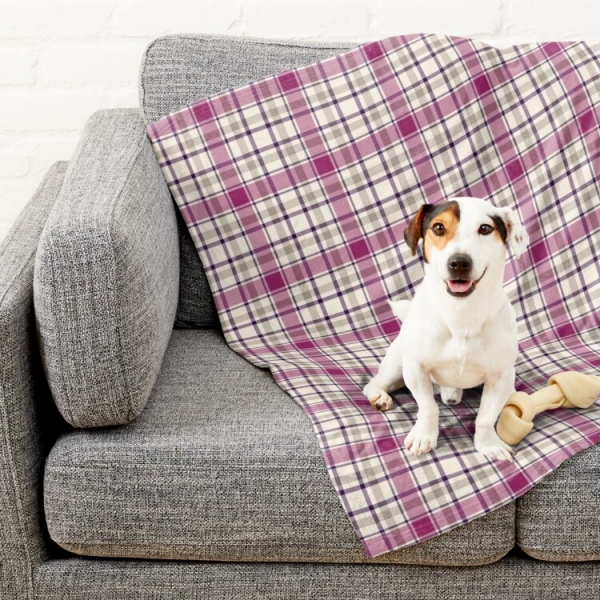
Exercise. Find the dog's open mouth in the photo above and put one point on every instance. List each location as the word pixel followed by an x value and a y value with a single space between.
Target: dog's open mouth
pixel 461 288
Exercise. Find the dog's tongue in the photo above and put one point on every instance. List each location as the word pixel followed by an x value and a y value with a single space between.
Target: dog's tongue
pixel 458 287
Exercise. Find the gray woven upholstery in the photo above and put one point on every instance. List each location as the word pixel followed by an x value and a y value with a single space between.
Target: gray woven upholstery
pixel 559 519
pixel 221 465
pixel 510 579
pixel 196 307
pixel 178 70
pixel 107 274
pixel 24 399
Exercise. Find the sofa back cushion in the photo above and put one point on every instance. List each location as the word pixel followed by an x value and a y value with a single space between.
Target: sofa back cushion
pixel 106 275
pixel 177 70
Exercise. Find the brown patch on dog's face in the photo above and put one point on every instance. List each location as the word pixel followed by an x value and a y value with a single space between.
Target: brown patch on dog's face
pixel 440 227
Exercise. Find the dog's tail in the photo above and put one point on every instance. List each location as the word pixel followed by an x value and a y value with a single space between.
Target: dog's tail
pixel 400 308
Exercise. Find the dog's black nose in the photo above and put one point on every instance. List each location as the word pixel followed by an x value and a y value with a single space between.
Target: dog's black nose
pixel 459 266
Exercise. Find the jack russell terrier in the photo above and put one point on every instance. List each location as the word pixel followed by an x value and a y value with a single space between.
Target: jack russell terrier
pixel 459 331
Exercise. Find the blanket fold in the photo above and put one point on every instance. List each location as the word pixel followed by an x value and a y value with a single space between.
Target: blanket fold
pixel 296 190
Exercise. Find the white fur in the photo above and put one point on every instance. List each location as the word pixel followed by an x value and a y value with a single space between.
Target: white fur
pixel 457 343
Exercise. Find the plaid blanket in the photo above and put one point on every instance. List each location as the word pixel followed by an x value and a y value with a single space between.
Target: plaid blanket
pixel 296 190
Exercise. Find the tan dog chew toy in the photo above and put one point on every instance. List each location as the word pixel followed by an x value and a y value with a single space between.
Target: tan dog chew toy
pixel 568 390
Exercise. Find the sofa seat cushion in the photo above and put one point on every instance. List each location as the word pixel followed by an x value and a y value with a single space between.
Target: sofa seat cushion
pixel 558 520
pixel 221 465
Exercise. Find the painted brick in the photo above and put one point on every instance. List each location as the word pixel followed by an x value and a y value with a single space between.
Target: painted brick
pixel 459 17
pixel 544 20
pixel 57 18
pixel 13 164
pixel 49 110
pixel 17 65
pixel 97 63
pixel 15 194
pixel 151 19
pixel 124 97
pixel 316 19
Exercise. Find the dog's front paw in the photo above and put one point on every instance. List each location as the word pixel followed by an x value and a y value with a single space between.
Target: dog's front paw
pixel 422 437
pixel 381 401
pixel 492 446
pixel 378 398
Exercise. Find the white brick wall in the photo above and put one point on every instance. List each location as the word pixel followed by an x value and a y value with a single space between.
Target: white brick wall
pixel 60 60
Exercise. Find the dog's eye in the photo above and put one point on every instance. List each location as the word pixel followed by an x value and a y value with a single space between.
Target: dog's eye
pixel 485 229
pixel 438 229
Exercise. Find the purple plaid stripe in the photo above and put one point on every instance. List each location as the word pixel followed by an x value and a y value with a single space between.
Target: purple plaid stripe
pixel 298 188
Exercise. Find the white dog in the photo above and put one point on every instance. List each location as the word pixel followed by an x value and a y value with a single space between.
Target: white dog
pixel 459 331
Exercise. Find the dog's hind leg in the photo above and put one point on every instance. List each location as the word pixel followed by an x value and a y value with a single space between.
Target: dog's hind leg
pixel 450 396
pixel 388 379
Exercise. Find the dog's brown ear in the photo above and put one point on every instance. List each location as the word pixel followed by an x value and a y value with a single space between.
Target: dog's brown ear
pixel 414 232
pixel 516 235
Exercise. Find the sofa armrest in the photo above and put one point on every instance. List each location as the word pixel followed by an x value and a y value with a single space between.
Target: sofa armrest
pixel 106 279
pixel 24 398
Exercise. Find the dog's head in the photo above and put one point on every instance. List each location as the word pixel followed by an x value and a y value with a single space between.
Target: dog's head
pixel 464 239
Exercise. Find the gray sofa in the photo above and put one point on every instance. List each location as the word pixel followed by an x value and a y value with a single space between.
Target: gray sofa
pixel 141 458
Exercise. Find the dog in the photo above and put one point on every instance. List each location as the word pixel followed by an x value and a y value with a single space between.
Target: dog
pixel 459 330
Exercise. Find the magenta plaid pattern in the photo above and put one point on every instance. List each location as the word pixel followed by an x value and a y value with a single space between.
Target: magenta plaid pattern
pixel 296 190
